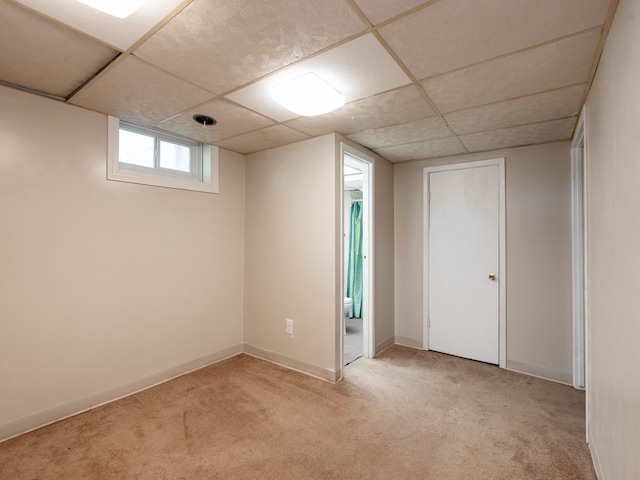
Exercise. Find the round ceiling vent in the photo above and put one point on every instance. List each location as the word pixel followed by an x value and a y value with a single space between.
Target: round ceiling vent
pixel 204 120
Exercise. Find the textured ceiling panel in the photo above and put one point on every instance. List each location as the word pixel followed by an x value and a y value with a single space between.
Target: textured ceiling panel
pixel 456 33
pixel 403 104
pixel 121 33
pixel 353 69
pixel 264 139
pixel 536 108
pixel 410 132
pixel 440 147
pixel 496 73
pixel 378 11
pixel 137 92
pixel 555 65
pixel 38 54
pixel 232 120
pixel 221 45
pixel 553 130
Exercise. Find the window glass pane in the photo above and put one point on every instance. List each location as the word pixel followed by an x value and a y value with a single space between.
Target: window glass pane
pixel 175 157
pixel 136 149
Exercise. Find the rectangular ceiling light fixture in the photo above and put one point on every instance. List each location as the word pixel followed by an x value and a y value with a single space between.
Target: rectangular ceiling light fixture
pixel 307 95
pixel 116 8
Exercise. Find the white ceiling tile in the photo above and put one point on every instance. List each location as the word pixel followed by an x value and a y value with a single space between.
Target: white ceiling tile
pixel 554 130
pixel 403 104
pixel 140 93
pixel 457 33
pixel 409 132
pixel 555 65
pixel 357 69
pixel 221 45
pixel 232 120
pixel 120 33
pixel 378 11
pixel 264 139
pixel 440 147
pixel 41 55
pixel 552 105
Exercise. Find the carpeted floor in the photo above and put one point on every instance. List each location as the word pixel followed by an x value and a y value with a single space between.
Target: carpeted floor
pixel 407 414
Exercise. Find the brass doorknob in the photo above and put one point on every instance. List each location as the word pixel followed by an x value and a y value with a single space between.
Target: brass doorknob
pixel 492 276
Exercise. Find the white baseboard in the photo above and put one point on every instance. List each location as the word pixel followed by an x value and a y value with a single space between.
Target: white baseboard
pixel 595 459
pixel 51 415
pixel 384 345
pixel 565 378
pixel 408 342
pixel 288 362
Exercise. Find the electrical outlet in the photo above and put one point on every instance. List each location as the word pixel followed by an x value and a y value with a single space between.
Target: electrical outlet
pixel 288 327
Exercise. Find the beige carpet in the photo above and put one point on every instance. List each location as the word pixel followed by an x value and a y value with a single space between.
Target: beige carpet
pixel 408 414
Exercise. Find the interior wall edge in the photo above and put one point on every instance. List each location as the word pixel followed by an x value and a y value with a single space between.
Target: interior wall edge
pixel 321 373
pixel 51 415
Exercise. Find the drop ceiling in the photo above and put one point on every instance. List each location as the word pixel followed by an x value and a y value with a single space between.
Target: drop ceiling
pixel 421 79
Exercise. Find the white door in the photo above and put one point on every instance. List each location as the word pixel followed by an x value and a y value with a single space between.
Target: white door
pixel 464 262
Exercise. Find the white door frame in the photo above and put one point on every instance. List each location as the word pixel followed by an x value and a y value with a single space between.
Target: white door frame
pixel 502 268
pixel 579 244
pixel 365 163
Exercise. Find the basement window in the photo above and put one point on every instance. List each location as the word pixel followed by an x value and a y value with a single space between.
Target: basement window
pixel 151 157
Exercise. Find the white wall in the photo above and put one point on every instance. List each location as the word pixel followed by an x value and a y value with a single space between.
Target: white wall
pixel 293 249
pixel 384 251
pixel 105 287
pixel 613 205
pixel 291 255
pixel 538 222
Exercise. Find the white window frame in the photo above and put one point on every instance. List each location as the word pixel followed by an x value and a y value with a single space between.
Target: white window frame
pixel 195 153
pixel 204 179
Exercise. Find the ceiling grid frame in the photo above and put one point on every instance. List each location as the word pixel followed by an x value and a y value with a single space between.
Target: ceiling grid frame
pixel 375 104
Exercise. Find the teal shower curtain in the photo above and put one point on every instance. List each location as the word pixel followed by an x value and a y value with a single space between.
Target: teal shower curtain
pixel 354 265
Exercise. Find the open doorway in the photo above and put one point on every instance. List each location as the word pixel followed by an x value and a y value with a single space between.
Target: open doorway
pixel 358 255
